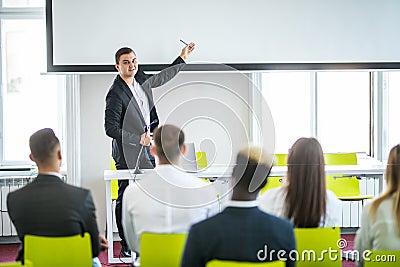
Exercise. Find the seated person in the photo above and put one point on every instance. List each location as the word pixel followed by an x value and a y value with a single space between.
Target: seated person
pixel 304 198
pixel 48 206
pixel 241 232
pixel 166 199
pixel 380 223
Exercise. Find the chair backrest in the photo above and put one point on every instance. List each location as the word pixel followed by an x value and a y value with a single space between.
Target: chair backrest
pixel 280 159
pixel 273 181
pixel 157 249
pixel 223 263
pixel 114 183
pixel 314 246
pixel 382 258
pixel 201 159
pixel 44 251
pixel 340 158
pixel 342 186
pixel 27 263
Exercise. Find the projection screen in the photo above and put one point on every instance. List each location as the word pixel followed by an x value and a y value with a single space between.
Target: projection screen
pixel 249 35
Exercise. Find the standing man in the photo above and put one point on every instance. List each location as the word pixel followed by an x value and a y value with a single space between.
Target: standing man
pixel 50 207
pixel 130 115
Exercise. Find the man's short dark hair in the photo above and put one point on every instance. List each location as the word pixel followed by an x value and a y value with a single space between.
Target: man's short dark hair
pixel 168 140
pixel 43 144
pixel 122 51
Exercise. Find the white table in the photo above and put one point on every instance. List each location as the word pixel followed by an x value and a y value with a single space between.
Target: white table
pixel 224 172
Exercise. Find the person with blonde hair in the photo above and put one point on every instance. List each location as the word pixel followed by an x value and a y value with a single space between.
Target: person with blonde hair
pixel 304 198
pixel 380 223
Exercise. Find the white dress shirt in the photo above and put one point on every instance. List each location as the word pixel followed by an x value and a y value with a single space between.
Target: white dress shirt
pixel 273 202
pixel 165 200
pixel 141 99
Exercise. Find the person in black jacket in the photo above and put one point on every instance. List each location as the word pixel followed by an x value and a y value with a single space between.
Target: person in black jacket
pixel 48 206
pixel 242 232
pixel 130 116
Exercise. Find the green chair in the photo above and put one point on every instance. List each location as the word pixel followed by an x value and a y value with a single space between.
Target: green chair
pixel 275 181
pixel 65 251
pixel 159 249
pixel 114 183
pixel 201 159
pixel 384 258
pixel 202 163
pixel 27 263
pixel 280 159
pixel 223 263
pixel 346 188
pixel 313 246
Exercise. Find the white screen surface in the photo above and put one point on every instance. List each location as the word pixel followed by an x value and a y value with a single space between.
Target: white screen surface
pixel 227 31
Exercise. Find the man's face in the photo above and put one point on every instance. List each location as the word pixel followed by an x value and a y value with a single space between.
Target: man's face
pixel 127 65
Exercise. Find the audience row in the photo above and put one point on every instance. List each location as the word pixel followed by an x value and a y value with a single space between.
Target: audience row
pixel 168 200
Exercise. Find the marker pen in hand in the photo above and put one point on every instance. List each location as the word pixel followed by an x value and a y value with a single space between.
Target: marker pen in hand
pixel 185 43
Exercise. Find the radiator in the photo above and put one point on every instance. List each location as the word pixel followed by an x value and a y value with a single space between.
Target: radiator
pixel 352 210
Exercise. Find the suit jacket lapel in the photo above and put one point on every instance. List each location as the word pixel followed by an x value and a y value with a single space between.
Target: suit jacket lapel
pixel 149 94
pixel 129 94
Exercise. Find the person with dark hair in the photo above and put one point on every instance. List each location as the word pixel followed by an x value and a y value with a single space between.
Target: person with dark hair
pixel 166 199
pixel 130 115
pixel 380 221
pixel 304 198
pixel 48 206
pixel 242 232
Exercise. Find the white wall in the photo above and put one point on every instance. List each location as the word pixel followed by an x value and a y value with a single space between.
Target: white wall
pixel 95 145
pixel 212 108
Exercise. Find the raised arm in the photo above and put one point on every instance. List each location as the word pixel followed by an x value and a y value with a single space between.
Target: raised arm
pixel 168 73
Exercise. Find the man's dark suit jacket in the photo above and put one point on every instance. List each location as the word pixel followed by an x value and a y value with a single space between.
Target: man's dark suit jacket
pixel 49 207
pixel 124 121
pixel 238 234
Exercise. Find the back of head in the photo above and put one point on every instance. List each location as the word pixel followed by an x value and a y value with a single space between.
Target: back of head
pixel 306 189
pixel 392 177
pixel 393 170
pixel 168 142
pixel 43 145
pixel 250 174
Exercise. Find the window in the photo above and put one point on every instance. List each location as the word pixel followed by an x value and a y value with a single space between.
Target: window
pixel 23 3
pixel 30 100
pixel 393 109
pixel 332 106
pixel 343 111
pixel 288 97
